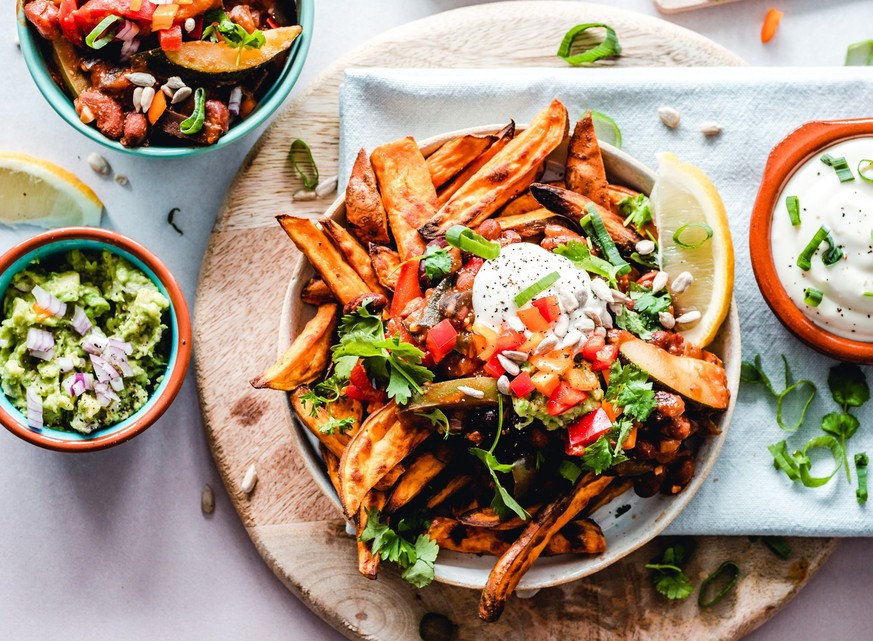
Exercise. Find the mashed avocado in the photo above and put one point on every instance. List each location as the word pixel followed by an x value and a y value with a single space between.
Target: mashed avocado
pixel 533 408
pixel 121 303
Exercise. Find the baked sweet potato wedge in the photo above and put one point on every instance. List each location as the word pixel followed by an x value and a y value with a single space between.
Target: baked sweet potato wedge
pixel 391 477
pixel 307 357
pixel 386 263
pixel 451 158
pixel 532 223
pixel 314 420
pixel 365 212
pixel 327 260
pixel 316 292
pixel 508 173
pixel 585 172
pixel 355 255
pixel 422 470
pixel 368 563
pixel 454 485
pixel 485 517
pixel 502 138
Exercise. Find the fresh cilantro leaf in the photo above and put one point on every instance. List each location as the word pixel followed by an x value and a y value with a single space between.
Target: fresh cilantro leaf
pixel 438 419
pixel 848 385
pixel 598 456
pixel 334 425
pixel 840 424
pixel 416 559
pixel 618 435
pixel 580 254
pixel 232 34
pixel 323 394
pixel 629 388
pixel 490 460
pixel 634 323
pixel 648 304
pixel 437 262
pixel 420 573
pixel 668 577
pixel 636 210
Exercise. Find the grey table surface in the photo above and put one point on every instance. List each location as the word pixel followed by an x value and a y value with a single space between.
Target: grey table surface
pixel 113 545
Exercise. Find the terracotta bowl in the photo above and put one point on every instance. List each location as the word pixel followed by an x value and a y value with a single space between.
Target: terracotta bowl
pixel 644 519
pixel 787 156
pixel 179 323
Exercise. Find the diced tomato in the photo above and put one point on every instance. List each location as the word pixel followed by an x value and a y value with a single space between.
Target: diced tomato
pixel 548 307
pixel 522 385
pixel 605 357
pixel 441 339
pixel 584 431
pixel 545 382
pixel 197 31
pixel 564 398
pixel 493 367
pixel 507 339
pixel 593 345
pixel 171 39
pixel 360 388
pixel 69 27
pixel 533 320
pixel 92 12
pixel 407 288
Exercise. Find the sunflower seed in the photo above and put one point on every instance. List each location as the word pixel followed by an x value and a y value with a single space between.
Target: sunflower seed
pixel 141 78
pixel 620 297
pixel 601 290
pixel 515 323
pixel 471 391
pixel 327 186
pixel 511 367
pixel 122 180
pixel 682 282
pixel 572 337
pixel 99 164
pixel 503 385
pixel 669 117
pixel 600 331
pixel 666 319
pixel 175 82
pixel 688 317
pixel 568 301
pixel 168 92
pixel 515 355
pixel 584 324
pixel 562 326
pixel 547 345
pixel 304 194
pixel 615 308
pixel 660 281
pixel 594 314
pixel 137 99
pixel 250 480
pixel 181 94
pixel 605 319
pixel 207 500
pixel 710 129
pixel 145 101
pixel 190 24
pixel 645 247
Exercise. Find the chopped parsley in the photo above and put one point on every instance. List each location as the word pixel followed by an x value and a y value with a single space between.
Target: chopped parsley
pixel 334 425
pixel 415 557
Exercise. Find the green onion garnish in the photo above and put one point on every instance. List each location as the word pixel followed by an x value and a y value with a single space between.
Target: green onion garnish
pixel 861 470
pixel 694 245
pixel 793 205
pixel 593 225
pixel 609 47
pixel 101 35
pixel 870 294
pixel 778 546
pixel 824 443
pixel 865 171
pixel 860 54
pixel 732 572
pixel 528 293
pixel 812 296
pixel 301 159
pixel 469 241
pixel 194 123
pixel 606 129
pixel 833 253
pixel 804 261
pixel 840 166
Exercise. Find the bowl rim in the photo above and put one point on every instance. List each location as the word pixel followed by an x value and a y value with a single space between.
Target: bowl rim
pixel 175 376
pixel 63 105
pixel 784 160
pixel 313 461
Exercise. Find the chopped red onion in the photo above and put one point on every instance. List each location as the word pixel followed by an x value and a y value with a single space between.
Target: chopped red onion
pixel 128 48
pixel 118 360
pixel 95 343
pixel 233 104
pixel 65 364
pixel 39 340
pixel 76 384
pixel 34 409
pixel 105 395
pixel 127 31
pixel 103 370
pixel 80 321
pixel 48 302
pixel 46 355
pixel 117 384
pixel 124 346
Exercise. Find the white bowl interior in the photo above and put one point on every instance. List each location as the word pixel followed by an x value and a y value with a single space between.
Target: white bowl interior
pixel 629 521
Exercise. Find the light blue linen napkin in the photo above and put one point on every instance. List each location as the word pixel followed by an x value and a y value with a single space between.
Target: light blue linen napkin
pixel 756 107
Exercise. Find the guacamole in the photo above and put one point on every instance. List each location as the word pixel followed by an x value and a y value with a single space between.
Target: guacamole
pixel 533 408
pixel 93 353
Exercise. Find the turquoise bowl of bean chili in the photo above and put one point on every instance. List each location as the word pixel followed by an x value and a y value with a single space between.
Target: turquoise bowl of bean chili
pixel 37 56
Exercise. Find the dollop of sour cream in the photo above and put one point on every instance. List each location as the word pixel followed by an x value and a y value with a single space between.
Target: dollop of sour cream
pixel 519 266
pixel 847 209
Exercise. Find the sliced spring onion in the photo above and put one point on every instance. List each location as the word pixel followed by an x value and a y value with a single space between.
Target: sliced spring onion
pixel 778 546
pixel 870 294
pixel 860 54
pixel 861 469
pixel 101 35
pixel 301 159
pixel 793 205
pixel 677 235
pixel 194 123
pixel 812 296
pixel 840 166
pixel 833 253
pixel 731 571
pixel 804 464
pixel 529 292
pixel 804 405
pixel 606 129
pixel 606 49
pixel 804 261
pixel 469 241
pixel 865 170
pixel 594 227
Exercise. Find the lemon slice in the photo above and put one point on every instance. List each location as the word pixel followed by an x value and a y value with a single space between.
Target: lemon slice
pixel 684 200
pixel 37 192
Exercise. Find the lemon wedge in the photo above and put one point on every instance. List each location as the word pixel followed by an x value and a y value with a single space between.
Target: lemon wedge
pixel 695 238
pixel 37 192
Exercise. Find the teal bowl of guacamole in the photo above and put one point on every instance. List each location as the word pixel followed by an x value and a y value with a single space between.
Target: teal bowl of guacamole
pixel 95 339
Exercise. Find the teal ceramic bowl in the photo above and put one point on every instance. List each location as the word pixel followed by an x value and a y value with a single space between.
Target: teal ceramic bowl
pixel 63 105
pixel 179 324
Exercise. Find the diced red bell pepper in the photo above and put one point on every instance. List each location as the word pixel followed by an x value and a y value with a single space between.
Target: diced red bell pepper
pixel 171 39
pixel 533 319
pixel 441 339
pixel 508 339
pixel 360 388
pixel 549 307
pixel 522 385
pixel 605 357
pixel 69 27
pixel 584 431
pixel 563 399
pixel 593 345
pixel 197 31
pixel 408 288
pixel 493 367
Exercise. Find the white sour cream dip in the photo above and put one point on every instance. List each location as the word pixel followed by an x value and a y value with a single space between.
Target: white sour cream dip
pixel 847 209
pixel 519 266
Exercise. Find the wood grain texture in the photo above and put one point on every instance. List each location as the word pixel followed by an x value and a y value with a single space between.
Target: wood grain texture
pixel 677 6
pixel 240 297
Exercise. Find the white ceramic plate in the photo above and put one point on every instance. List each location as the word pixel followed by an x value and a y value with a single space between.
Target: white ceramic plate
pixel 638 524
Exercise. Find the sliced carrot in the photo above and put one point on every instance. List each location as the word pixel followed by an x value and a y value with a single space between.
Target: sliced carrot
pixel 631 440
pixel 771 25
pixel 159 106
pixel 248 106
pixel 611 410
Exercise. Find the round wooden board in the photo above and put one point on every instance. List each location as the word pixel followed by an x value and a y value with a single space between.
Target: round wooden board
pixel 240 297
